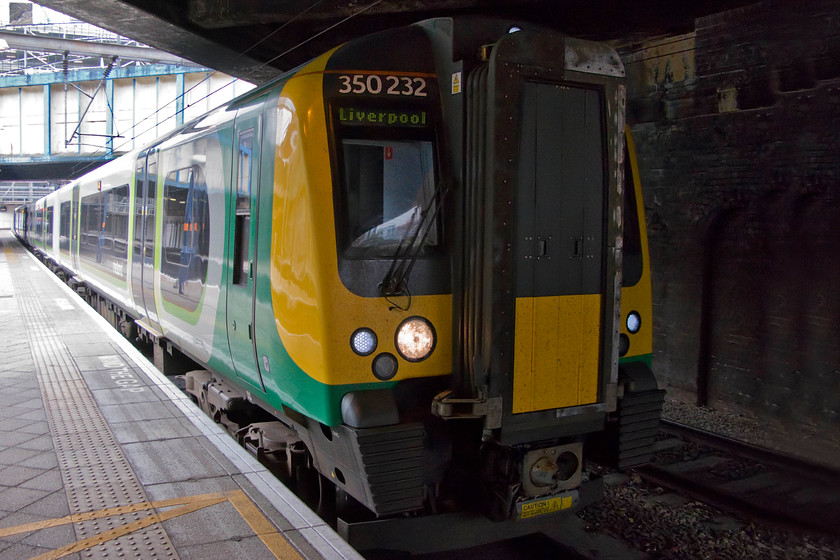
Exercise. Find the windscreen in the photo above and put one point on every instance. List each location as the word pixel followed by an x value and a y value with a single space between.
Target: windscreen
pixel 389 185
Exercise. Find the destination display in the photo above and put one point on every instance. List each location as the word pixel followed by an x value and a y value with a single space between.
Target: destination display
pixel 366 116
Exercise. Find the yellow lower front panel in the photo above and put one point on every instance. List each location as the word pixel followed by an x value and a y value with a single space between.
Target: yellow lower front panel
pixel 558 341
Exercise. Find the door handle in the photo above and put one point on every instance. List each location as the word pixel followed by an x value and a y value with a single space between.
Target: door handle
pixel 542 247
pixel 578 251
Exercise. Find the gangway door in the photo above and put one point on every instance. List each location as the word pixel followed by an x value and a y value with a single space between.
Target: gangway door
pixel 559 248
pixel 539 321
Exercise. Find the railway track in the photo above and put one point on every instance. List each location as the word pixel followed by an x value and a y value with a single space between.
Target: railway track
pixel 752 482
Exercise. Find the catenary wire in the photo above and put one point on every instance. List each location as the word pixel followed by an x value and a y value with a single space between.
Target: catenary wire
pixel 85 166
pixel 264 64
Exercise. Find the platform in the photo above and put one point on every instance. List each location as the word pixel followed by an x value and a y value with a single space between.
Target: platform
pixel 102 457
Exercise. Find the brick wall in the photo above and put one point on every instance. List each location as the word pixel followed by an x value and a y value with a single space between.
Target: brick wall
pixel 737 125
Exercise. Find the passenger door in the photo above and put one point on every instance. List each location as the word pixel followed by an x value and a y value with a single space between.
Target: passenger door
pixel 145 235
pixel 242 247
pixel 74 229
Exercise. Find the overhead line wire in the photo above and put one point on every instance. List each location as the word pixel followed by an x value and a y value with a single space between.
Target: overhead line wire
pixel 212 73
pixel 264 64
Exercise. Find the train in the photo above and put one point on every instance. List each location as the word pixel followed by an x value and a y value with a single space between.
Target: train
pixel 411 275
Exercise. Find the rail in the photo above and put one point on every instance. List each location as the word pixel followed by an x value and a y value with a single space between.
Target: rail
pixel 750 481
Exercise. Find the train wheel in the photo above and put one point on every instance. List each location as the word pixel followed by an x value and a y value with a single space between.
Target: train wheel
pixel 308 485
pixel 327 500
pixel 317 491
pixel 349 508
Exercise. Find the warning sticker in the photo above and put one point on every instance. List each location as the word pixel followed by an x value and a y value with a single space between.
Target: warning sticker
pixel 549 505
pixel 456 83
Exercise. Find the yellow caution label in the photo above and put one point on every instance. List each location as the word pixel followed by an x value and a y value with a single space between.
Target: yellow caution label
pixel 456 83
pixel 546 505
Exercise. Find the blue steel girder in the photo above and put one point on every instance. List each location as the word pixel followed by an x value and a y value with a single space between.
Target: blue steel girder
pixel 95 74
pixel 45 80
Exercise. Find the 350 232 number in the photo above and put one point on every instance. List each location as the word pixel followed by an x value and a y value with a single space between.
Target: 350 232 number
pixel 359 84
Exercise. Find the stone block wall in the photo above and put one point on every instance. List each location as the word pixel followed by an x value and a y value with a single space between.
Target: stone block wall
pixel 737 127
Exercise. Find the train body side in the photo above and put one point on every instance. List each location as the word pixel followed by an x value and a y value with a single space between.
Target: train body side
pixel 636 282
pixel 92 238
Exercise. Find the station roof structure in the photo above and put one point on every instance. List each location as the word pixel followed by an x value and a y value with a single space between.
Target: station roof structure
pixel 258 39
pixel 30 49
pixel 63 50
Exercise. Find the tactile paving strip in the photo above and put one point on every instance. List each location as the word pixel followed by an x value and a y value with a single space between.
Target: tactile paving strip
pixel 95 472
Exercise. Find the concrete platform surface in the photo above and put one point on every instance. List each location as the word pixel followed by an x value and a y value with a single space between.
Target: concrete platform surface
pixel 102 457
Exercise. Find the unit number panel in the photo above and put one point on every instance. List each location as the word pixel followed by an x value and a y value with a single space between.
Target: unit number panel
pixel 374 84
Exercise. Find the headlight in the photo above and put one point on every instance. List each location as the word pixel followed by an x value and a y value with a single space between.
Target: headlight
pixel 634 322
pixel 363 341
pixel 415 339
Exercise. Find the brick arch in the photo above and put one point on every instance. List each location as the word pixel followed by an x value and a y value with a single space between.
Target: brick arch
pixel 771 308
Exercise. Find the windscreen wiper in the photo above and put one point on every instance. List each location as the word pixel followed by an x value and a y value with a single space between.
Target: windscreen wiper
pixel 396 279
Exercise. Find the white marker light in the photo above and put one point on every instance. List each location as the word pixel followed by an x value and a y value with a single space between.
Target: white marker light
pixel 363 341
pixel 634 322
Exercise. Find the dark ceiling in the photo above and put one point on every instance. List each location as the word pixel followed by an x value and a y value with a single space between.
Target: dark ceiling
pixel 257 39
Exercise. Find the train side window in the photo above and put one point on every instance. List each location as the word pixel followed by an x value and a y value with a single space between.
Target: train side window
pixel 632 254
pixel 64 227
pixel 151 205
pixel 103 229
pixel 138 208
pixel 116 221
pixel 178 226
pixel 241 269
pixel 242 226
pixel 244 171
pixel 91 218
pixel 185 238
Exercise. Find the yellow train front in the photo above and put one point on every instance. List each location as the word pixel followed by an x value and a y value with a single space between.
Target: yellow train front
pixel 444 255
